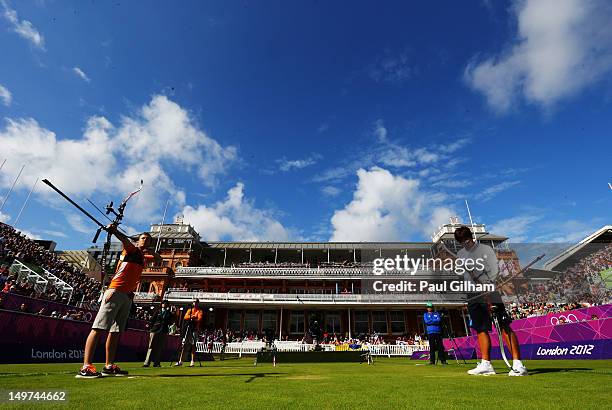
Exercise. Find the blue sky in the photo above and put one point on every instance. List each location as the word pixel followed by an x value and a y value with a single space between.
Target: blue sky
pixel 309 121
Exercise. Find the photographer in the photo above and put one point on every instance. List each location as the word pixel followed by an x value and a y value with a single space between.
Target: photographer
pixel 315 332
pixel 159 328
pixel 482 308
pixel 193 323
pixel 433 327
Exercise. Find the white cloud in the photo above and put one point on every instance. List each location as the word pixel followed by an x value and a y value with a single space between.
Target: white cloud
pixel 490 192
pixel 567 231
pixel 4 217
pixel 78 223
pixel 391 67
pixel 235 218
pixel 391 154
pixel 23 28
pixel 160 127
pixel 538 226
pixel 112 160
pixel 81 74
pixel 29 234
pixel 57 234
pixel 285 164
pixel 453 146
pixel 5 95
pixel 380 131
pixel 330 190
pixel 323 127
pixel 562 46
pixel 386 207
pixel 515 228
pixel 452 183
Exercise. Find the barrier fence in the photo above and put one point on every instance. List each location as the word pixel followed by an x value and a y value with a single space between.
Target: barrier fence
pixel 251 348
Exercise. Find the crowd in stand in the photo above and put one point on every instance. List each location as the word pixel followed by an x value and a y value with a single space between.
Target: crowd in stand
pixel 320 264
pixel 68 313
pixel 579 283
pixel 229 336
pixel 15 245
pixel 526 310
pixel 86 290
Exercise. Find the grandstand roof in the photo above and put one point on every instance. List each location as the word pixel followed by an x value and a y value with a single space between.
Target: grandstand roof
pixel 534 273
pixel 319 245
pixel 81 259
pixel 574 253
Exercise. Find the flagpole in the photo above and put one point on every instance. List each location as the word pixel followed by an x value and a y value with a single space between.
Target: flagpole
pixel 25 203
pixel 12 186
pixel 471 221
pixel 160 226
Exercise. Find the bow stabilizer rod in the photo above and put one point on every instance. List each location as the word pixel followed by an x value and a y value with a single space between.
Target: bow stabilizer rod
pixel 79 207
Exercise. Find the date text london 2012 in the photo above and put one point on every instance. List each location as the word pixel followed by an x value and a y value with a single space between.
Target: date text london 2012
pixel 405 286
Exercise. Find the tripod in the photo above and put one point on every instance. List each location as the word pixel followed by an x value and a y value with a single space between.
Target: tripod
pixel 189 332
pixel 447 332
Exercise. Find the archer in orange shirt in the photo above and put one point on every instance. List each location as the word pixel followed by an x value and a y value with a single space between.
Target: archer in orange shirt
pixel 193 324
pixel 115 305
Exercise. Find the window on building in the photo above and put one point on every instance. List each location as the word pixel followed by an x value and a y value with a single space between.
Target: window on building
pixel 332 322
pixel 361 322
pixel 233 320
pixel 268 320
pixel 297 322
pixel 379 322
pixel 251 321
pixel 398 325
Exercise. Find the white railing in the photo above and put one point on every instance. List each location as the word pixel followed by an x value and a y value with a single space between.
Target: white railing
pixel 251 348
pixel 41 281
pixel 257 271
pixel 395 350
pixel 238 348
pixel 27 274
pixel 363 271
pixel 145 296
pixel 64 288
pixel 306 298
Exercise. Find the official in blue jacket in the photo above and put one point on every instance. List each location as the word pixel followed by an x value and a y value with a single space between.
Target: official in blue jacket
pixel 433 326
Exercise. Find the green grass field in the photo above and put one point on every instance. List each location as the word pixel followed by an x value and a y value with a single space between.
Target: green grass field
pixel 387 384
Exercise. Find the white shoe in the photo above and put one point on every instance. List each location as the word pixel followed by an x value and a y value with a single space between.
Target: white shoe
pixel 518 371
pixel 178 363
pixel 482 369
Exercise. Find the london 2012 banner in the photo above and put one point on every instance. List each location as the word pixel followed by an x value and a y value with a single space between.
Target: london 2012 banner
pixel 580 334
pixel 27 338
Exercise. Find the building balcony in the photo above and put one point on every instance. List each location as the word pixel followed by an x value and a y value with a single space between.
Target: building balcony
pixel 157 271
pixel 332 273
pixel 284 299
pixel 145 297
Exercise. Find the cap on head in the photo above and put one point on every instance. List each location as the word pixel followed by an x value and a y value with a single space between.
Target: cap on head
pixel 429 305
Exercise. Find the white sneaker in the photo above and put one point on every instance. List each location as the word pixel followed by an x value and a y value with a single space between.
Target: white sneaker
pixel 518 371
pixel 482 369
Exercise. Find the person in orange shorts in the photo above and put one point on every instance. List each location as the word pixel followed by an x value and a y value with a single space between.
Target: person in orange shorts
pixel 115 305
